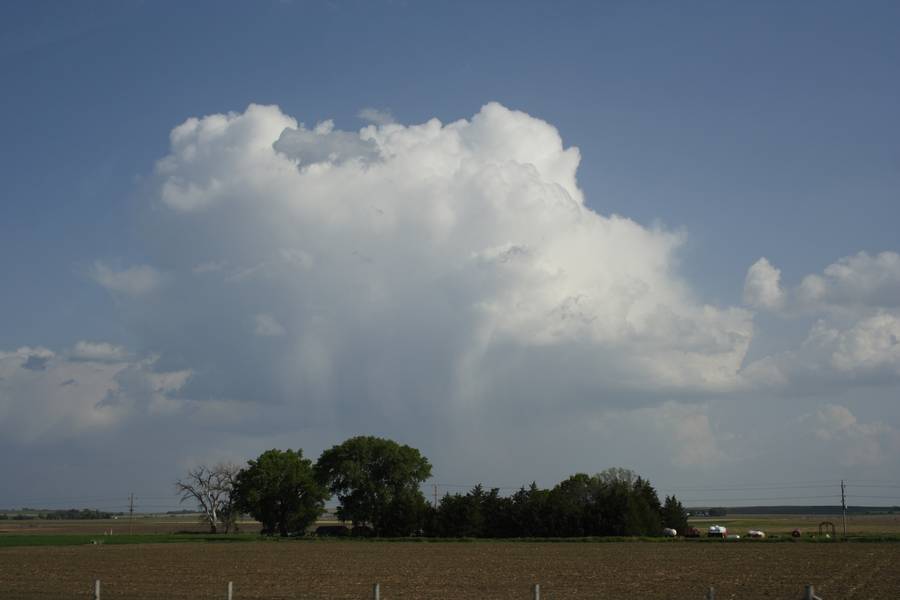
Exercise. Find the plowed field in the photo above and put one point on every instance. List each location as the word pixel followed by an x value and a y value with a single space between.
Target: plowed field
pixel 507 570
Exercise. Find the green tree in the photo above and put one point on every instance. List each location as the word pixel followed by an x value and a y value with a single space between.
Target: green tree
pixel 462 515
pixel 643 510
pixel 377 483
pixel 571 503
pixel 279 490
pixel 674 515
pixel 531 511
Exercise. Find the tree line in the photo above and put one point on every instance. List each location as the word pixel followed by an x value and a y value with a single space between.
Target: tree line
pixel 80 514
pixel 377 482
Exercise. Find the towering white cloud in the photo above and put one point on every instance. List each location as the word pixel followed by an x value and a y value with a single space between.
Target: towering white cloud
pixel 762 286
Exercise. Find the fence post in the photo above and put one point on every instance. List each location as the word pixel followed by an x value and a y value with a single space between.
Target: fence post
pixel 376 591
pixel 96 589
pixel 536 592
pixel 711 593
pixel 230 590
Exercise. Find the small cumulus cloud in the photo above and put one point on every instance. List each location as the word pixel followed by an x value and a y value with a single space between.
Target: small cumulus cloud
pixel 267 326
pixel 857 444
pixel 97 351
pixel 855 337
pixel 376 116
pixel 849 285
pixel 131 281
pixel 37 361
pixel 857 281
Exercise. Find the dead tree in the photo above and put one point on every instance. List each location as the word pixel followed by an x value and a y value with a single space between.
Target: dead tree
pixel 211 488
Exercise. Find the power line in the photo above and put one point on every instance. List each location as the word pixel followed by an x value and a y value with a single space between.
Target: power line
pixel 875 486
pixel 767 498
pixel 895 498
pixel 858 481
pixel 792 483
pixel 750 488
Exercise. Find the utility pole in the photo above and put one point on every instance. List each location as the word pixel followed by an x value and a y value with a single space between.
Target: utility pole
pixel 435 495
pixel 844 507
pixel 131 514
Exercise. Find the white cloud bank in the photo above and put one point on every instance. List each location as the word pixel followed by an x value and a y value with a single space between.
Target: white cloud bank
pixel 859 444
pixel 46 396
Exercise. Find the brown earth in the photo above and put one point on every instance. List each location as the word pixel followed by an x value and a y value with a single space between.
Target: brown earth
pixel 507 570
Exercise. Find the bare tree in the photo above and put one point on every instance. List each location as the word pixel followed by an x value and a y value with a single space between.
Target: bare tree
pixel 211 488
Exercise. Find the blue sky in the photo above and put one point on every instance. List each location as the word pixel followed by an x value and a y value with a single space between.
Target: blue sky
pixel 764 129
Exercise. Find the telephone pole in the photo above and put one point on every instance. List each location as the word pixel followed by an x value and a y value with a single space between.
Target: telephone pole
pixel 844 507
pixel 131 514
pixel 435 495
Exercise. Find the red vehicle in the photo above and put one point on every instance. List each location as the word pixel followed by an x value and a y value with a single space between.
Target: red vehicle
pixel 691 532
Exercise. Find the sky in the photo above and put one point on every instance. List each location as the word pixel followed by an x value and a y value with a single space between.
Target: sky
pixel 529 239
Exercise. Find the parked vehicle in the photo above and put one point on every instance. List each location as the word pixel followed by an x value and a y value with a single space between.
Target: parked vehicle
pixel 717 531
pixel 692 532
pixel 756 534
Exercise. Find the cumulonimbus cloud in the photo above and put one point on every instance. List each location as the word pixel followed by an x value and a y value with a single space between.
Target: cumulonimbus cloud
pixel 422 265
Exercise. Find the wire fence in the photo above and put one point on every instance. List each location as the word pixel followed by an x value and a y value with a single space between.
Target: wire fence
pixel 230 593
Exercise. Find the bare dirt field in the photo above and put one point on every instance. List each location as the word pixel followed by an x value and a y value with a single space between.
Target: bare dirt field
pixel 501 570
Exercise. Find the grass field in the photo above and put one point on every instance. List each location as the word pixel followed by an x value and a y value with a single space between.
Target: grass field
pixel 94 527
pixel 858 525
pixel 501 570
